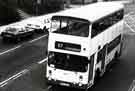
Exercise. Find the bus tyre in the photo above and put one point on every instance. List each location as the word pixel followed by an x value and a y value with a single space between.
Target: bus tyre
pixel 97 76
pixel 102 73
pixel 120 51
pixel 116 56
pixel 45 30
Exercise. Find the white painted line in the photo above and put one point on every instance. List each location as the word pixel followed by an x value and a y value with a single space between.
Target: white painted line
pixel 131 18
pixel 133 88
pixel 130 28
pixel 5 82
pixel 19 75
pixel 128 14
pixel 49 87
pixel 38 38
pixel 10 50
pixel 42 61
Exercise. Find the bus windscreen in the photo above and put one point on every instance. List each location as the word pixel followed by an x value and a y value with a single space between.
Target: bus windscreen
pixel 70 26
pixel 68 62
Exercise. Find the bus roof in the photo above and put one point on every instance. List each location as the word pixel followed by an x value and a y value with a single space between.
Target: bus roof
pixel 92 12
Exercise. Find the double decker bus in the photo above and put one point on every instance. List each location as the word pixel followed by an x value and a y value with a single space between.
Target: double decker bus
pixel 83 42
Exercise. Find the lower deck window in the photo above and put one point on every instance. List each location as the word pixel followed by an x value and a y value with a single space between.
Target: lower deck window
pixel 114 43
pixel 68 62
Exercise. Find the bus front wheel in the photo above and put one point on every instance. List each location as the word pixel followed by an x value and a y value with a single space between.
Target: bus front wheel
pixel 97 76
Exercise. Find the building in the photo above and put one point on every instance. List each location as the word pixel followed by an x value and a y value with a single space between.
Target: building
pixel 36 6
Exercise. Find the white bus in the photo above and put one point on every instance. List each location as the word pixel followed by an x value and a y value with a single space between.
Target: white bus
pixel 83 43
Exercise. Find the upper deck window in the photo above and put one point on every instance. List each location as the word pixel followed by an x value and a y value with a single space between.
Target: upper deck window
pixel 70 26
pixel 104 23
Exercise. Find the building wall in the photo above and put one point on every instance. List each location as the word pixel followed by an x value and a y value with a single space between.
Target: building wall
pixel 32 6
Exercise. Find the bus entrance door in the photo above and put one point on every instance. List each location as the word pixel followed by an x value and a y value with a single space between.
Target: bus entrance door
pixel 91 69
pixel 101 58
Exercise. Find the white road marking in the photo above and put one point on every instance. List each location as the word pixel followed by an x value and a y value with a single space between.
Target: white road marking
pixel 130 28
pixel 49 87
pixel 42 61
pixel 21 45
pixel 128 14
pixel 10 50
pixel 133 88
pixel 38 38
pixel 5 82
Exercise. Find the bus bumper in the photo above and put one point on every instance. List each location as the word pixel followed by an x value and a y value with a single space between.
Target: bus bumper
pixel 67 84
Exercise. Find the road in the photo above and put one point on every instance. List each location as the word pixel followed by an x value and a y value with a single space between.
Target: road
pixel 15 57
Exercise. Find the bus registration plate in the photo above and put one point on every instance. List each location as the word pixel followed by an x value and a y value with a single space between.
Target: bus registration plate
pixel 64 84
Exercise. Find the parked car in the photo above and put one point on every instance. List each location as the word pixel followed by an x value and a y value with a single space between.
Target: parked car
pixel 16 33
pixel 37 28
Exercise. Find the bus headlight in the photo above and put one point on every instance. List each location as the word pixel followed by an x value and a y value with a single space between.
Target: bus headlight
pixel 49 78
pixel 80 84
pixel 74 83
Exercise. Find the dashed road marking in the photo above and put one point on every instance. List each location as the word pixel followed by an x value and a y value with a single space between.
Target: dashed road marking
pixel 42 61
pixel 5 82
pixel 49 87
pixel 38 38
pixel 132 86
pixel 12 49
pixel 129 15
pixel 132 30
